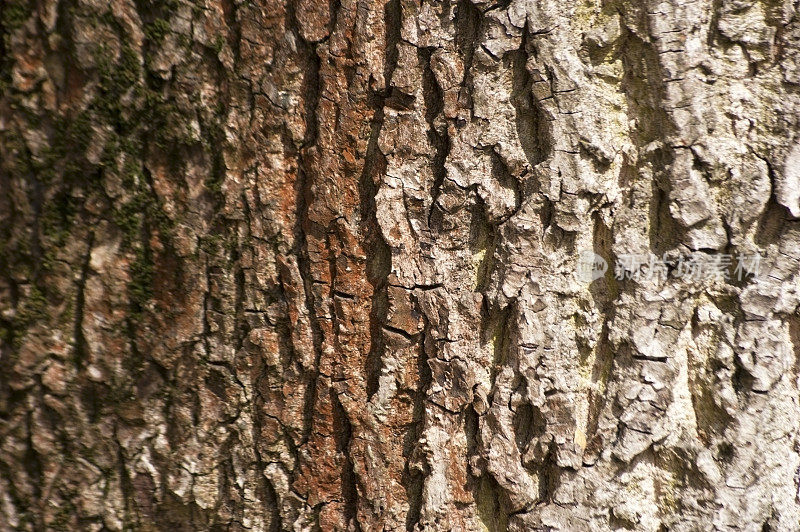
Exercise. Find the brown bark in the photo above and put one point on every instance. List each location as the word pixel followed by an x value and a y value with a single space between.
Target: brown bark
pixel 311 265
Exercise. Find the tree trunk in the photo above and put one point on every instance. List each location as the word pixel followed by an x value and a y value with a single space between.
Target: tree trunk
pixel 308 265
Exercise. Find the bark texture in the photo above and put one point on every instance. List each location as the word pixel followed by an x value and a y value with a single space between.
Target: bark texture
pixel 311 265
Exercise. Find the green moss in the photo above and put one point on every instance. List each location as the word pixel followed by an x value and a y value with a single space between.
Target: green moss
pixel 131 115
pixel 129 67
pixel 130 215
pixel 116 78
pixel 73 135
pixel 232 244
pixel 67 317
pixel 214 183
pixel 215 140
pixel 6 335
pixel 57 218
pixel 139 203
pixel 65 154
pixel 64 518
pixel 33 309
pixel 211 244
pixel 219 44
pixel 184 41
pixel 140 287
pixel 48 260
pixel 128 218
pixel 157 30
pixel 15 14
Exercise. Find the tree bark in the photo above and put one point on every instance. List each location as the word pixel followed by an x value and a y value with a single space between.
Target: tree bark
pixel 306 265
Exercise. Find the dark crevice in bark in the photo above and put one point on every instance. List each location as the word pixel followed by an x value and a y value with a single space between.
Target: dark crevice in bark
pixel 317 335
pixel 311 91
pixel 414 481
pixel 794 335
pixel 546 213
pixel 343 435
pixel 393 19
pixel 80 346
pixel 379 256
pixel 604 289
pixel 498 328
pixel 475 463
pixel 500 5
pixel 245 323
pixel 483 239
pixel 270 498
pixel 742 380
pixel 304 195
pixel 206 307
pixel 491 500
pixel 283 324
pixel 126 485
pixel 549 475
pixel 37 198
pixel 644 87
pixel 241 327
pixel 6 59
pixel 772 221
pixel 492 504
pixel 230 11
pixel 714 34
pixel 33 466
pixel 471 431
pixel 9 218
pixel 601 373
pixel 438 137
pixel 505 179
pixel 408 336
pixel 712 419
pixel 528 424
pixel 35 193
pixel 664 232
pixel 336 310
pixel 533 126
pixel 413 475
pixel 334 6
pixel 468 19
